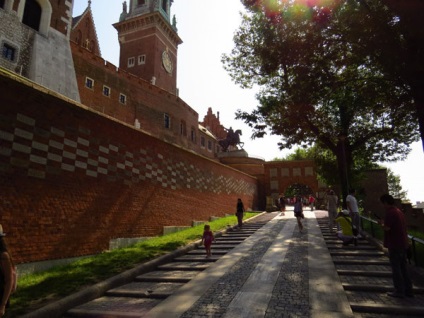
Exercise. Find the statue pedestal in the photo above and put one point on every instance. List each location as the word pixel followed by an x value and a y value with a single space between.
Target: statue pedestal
pixel 233 154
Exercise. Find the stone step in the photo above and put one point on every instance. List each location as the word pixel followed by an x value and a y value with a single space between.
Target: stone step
pixel 157 290
pixel 223 246
pixel 184 266
pixel 363 262
pixel 176 276
pixel 359 247
pixel 347 272
pixel 114 307
pixel 392 310
pixel 377 288
pixel 201 251
pixel 357 253
pixel 196 258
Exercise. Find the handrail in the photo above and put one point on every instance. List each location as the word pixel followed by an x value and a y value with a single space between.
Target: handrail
pixel 411 237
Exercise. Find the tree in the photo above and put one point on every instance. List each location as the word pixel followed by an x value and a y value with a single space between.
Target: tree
pixel 318 85
pixel 395 188
pixel 409 16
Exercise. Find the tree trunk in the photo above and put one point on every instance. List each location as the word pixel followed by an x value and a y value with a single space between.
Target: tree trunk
pixel 344 168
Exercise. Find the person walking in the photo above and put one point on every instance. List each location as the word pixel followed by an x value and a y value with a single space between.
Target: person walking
pixel 239 212
pixel 298 212
pixel 282 202
pixel 345 222
pixel 6 274
pixel 352 206
pixel 311 201
pixel 396 241
pixel 207 239
pixel 332 201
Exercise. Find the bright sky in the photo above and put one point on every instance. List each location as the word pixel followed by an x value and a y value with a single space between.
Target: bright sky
pixel 206 28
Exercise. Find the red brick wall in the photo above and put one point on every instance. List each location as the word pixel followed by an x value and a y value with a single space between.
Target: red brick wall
pixel 71 179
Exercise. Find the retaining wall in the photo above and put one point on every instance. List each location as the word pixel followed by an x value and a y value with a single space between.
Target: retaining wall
pixel 72 179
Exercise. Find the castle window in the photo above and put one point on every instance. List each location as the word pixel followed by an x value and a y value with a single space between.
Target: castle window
pixel 106 91
pixel 193 135
pixel 167 121
pixel 183 128
pixel 141 2
pixel 141 59
pixel 1 3
pixel 122 98
pixel 131 62
pixel 309 171
pixel 202 142
pixel 8 52
pixel 32 14
pixel 297 172
pixel 89 83
pixel 209 145
pixel 285 172
pixel 165 5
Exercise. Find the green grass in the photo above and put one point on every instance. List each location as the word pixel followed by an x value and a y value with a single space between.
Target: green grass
pixel 38 289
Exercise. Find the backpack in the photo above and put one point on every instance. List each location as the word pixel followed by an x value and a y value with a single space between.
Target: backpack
pixel 354 229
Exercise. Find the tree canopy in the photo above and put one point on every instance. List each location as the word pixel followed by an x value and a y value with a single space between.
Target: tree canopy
pixel 319 81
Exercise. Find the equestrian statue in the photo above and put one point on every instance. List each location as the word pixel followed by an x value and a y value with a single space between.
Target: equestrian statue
pixel 232 139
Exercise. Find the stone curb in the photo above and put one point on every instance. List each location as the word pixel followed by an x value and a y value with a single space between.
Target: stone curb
pixel 60 307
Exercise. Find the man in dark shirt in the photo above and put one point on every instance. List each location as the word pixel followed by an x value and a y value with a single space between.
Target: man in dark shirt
pixel 396 241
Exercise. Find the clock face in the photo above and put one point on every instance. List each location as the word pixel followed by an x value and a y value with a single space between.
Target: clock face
pixel 167 62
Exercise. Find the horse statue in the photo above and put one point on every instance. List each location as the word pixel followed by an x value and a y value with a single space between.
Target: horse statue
pixel 232 139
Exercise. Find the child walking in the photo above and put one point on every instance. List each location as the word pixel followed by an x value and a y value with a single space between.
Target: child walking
pixel 207 239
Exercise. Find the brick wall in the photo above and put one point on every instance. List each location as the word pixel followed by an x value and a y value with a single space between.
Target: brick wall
pixel 72 179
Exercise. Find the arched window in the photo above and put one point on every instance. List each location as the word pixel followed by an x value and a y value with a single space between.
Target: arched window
pixel 36 14
pixel 32 14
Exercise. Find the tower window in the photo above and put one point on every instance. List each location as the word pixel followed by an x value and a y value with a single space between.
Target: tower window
pixel 183 129
pixel 209 145
pixel 89 83
pixel 141 59
pixel 165 5
pixel 32 14
pixel 106 91
pixel 8 52
pixel 122 98
pixel 193 135
pixel 141 2
pixel 202 142
pixel 167 121
pixel 131 62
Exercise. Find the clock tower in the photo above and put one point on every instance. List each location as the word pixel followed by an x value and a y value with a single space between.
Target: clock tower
pixel 149 42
